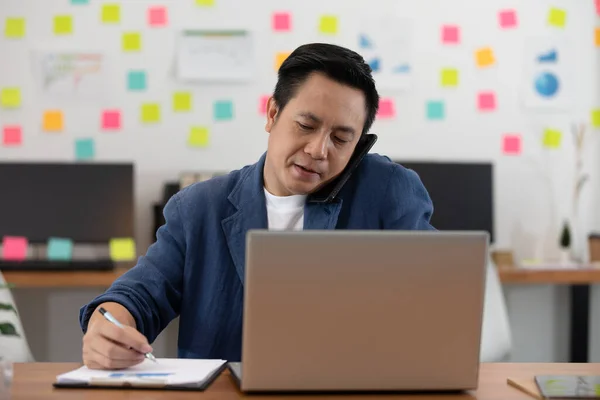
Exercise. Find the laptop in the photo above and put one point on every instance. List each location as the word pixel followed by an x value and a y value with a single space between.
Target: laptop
pixel 353 311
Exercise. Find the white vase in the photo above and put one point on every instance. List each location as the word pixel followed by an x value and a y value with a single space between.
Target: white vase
pixel 565 256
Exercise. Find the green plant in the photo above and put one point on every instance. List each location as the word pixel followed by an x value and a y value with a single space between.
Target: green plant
pixel 8 328
pixel 565 236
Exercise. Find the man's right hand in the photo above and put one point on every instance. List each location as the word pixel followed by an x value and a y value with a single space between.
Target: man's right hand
pixel 107 346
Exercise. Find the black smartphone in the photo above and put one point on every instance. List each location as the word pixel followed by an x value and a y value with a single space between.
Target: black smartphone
pixel 327 193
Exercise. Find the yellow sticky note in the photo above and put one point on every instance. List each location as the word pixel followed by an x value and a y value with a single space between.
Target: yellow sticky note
pixel 111 13
pixel 132 41
pixel 122 249
pixel 205 3
pixel 552 138
pixel 150 113
pixel 182 101
pixel 598 36
pixel 53 121
pixel 279 59
pixel 10 97
pixel 63 25
pixel 199 137
pixel 484 57
pixel 14 28
pixel 449 77
pixel 328 24
pixel 596 118
pixel 557 17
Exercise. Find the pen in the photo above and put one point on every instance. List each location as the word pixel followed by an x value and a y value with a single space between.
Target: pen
pixel 112 319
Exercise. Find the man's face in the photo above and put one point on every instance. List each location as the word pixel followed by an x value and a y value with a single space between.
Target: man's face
pixel 312 139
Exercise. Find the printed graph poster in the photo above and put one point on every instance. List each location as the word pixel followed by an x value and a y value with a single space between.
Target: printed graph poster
pixel 549 74
pixel 386 45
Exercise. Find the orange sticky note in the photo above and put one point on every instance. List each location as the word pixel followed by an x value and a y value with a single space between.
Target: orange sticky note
pixel 484 57
pixel 386 109
pixel 14 248
pixel 597 37
pixel 279 59
pixel 511 144
pixel 53 121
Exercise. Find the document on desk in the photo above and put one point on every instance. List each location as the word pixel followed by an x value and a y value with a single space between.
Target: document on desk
pixel 166 372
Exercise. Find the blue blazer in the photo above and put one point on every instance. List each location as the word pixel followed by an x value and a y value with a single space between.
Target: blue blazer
pixel 195 269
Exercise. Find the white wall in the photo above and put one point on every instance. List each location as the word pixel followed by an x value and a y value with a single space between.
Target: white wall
pixel 524 220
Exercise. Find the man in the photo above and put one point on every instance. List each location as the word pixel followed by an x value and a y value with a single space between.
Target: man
pixel 323 106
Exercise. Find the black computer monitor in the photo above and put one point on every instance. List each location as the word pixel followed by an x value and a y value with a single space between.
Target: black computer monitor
pixel 88 203
pixel 462 194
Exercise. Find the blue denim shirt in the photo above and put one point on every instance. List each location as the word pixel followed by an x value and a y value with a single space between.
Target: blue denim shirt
pixel 195 269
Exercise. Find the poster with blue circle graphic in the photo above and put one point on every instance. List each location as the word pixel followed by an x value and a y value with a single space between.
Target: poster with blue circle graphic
pixel 547 79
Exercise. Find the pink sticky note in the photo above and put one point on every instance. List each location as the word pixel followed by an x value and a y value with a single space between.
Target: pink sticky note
pixel 14 248
pixel 282 22
pixel 157 16
pixel 598 7
pixel 507 18
pixel 386 108
pixel 450 34
pixel 511 144
pixel 262 109
pixel 111 119
pixel 12 135
pixel 486 101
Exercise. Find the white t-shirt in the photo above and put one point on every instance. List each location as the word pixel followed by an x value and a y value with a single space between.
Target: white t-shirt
pixel 285 213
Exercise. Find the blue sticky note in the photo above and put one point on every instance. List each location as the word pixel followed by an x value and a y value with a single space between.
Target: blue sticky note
pixel 60 249
pixel 223 110
pixel 435 110
pixel 136 80
pixel 80 2
pixel 84 149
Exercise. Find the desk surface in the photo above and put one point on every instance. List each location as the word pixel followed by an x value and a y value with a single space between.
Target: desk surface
pixel 34 381
pixel 533 276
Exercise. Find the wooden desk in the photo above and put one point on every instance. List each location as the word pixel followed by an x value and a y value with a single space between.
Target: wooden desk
pixel 34 381
pixel 62 279
pixel 514 275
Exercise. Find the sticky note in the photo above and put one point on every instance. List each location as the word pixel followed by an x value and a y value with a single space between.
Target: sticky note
pixel 486 101
pixel 122 249
pixel 223 110
pixel 386 108
pixel 282 22
pixel 449 77
pixel 596 118
pixel 111 120
pixel 597 41
pixel 150 113
pixel 199 137
pixel 450 34
pixel 205 3
pixel 484 57
pixel 136 80
pixel 12 135
pixel 132 41
pixel 59 249
pixel 182 101
pixel 279 59
pixel 63 25
pixel 511 144
pixel 14 248
pixel 85 149
pixel 111 13
pixel 552 138
pixel 435 110
pixel 598 7
pixel 507 19
pixel 80 2
pixel 53 121
pixel 157 16
pixel 10 97
pixel 14 28
pixel 557 17
pixel 262 107
pixel 328 24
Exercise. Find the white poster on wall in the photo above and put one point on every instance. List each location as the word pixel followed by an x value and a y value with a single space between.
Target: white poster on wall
pixel 225 56
pixel 386 45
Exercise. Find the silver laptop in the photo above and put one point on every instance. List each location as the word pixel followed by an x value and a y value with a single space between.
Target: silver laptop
pixel 339 310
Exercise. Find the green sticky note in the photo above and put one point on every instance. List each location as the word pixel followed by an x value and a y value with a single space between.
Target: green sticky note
pixel 84 149
pixel 557 17
pixel 199 137
pixel 449 77
pixel 14 28
pixel 136 80
pixel 132 41
pixel 596 118
pixel 80 2
pixel 59 249
pixel 435 110
pixel 10 97
pixel 182 101
pixel 150 113
pixel 328 24
pixel 122 249
pixel 63 25
pixel 223 110
pixel 552 138
pixel 205 3
pixel 111 13
pixel 597 390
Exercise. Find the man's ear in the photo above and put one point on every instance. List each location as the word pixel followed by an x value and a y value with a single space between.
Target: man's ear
pixel 272 113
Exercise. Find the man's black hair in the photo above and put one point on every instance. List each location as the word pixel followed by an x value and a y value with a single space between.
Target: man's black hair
pixel 337 63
